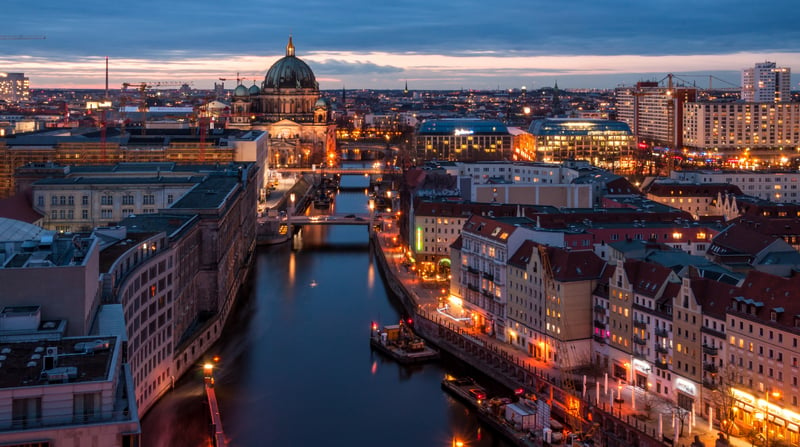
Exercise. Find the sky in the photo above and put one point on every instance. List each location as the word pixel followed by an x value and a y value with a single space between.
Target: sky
pixel 430 44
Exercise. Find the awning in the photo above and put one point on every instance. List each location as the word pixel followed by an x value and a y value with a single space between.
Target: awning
pixel 748 408
pixel 793 428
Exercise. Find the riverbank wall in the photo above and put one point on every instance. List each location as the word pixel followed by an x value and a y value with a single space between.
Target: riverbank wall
pixel 492 359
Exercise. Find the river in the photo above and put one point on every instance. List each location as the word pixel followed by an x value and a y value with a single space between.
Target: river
pixel 295 364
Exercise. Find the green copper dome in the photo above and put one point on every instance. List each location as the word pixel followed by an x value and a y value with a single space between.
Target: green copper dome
pixel 290 72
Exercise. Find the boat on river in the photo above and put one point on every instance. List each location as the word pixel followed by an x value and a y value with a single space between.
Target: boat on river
pixel 399 342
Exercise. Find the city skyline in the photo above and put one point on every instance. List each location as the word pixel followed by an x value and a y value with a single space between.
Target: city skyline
pixel 352 44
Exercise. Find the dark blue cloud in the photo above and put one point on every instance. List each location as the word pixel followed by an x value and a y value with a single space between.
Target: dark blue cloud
pixel 150 28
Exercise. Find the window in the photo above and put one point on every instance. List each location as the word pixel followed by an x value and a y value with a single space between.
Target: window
pixel 85 407
pixel 40 201
pixel 127 199
pixel 27 412
pixel 85 200
pixel 148 199
pixel 84 214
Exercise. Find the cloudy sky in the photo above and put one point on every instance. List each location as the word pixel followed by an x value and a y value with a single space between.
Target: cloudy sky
pixel 430 44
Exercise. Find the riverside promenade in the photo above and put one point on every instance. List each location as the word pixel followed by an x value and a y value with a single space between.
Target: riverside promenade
pixel 607 410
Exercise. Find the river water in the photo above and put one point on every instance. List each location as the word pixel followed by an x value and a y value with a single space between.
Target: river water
pixel 296 368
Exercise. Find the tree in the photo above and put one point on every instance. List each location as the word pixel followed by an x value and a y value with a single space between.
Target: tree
pixel 682 416
pixel 723 398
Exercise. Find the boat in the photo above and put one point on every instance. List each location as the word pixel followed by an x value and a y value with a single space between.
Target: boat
pixel 465 389
pixel 399 342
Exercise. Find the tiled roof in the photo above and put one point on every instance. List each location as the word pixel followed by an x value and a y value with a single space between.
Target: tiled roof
pixel 738 239
pixel 645 277
pixel 489 228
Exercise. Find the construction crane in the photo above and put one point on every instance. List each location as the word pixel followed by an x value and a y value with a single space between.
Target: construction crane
pixel 562 357
pixel 22 37
pixel 142 87
pixel 238 79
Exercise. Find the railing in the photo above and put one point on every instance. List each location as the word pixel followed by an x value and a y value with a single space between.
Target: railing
pixel 599 324
pixel 600 339
pixel 599 308
pixel 710 350
pixel 710 367
pixel 639 340
pixel 660 364
pixel 487 275
pixel 711 385
pixel 661 332
pixel 639 324
pixel 661 349
pixel 639 354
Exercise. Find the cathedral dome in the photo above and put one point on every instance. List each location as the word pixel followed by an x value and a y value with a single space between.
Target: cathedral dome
pixel 290 72
pixel 254 90
pixel 240 90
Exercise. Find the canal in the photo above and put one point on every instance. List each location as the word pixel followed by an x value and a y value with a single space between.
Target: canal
pixel 295 365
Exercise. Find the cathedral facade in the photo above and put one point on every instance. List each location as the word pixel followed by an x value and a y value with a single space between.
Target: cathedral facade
pixel 288 107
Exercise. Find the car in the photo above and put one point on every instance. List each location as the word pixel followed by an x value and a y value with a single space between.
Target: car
pixel 477 393
pixel 350 216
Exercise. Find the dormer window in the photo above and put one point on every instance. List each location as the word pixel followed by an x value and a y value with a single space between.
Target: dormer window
pixel 773 315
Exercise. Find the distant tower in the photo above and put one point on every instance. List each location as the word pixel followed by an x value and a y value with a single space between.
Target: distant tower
pixel 344 97
pixel 555 106
pixel 405 90
pixel 766 83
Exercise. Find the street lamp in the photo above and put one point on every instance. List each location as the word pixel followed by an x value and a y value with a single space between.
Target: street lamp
pixel 767 394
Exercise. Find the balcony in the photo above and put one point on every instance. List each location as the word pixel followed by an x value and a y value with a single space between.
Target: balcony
pixel 639 324
pixel 660 364
pixel 488 276
pixel 599 324
pixel 710 367
pixel 661 349
pixel 471 269
pixel 473 287
pixel 639 340
pixel 600 339
pixel 710 350
pixel 661 332
pixel 599 308
pixel 710 384
pixel 639 354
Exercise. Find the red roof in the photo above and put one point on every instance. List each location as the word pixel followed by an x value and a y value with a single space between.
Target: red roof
pixel 646 278
pixel 489 228
pixel 18 207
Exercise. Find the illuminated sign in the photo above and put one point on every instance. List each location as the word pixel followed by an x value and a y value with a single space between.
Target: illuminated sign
pixel 641 366
pixel 419 239
pixel 686 386
pixel 459 132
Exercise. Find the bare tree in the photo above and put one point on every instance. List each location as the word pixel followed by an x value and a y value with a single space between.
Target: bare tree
pixel 682 416
pixel 723 398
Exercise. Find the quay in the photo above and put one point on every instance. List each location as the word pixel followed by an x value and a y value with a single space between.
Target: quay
pixel 615 423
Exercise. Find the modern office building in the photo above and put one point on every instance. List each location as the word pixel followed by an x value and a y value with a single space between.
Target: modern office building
pixel 14 87
pixel 766 82
pixel 603 143
pixel 462 139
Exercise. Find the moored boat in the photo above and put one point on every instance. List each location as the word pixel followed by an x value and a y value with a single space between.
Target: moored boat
pixel 399 342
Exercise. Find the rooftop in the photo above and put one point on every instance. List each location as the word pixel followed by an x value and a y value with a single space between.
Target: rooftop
pixel 69 360
pixel 462 126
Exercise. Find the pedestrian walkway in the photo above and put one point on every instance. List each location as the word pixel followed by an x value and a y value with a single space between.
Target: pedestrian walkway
pixel 646 411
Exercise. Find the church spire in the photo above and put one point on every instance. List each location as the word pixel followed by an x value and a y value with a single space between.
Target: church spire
pixel 290 47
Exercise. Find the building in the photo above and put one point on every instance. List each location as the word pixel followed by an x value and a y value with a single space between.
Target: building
pixel 774 186
pixel 603 143
pixel 654 113
pixel 698 199
pixel 766 82
pixel 80 198
pixel 73 391
pixel 462 139
pixel 58 272
pixel 14 87
pixel 177 274
pixel 545 286
pixel 86 146
pixel 746 134
pixel 288 107
pixel 762 347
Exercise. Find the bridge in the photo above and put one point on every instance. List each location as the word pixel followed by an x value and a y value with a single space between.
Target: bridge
pixel 331 219
pixel 341 171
